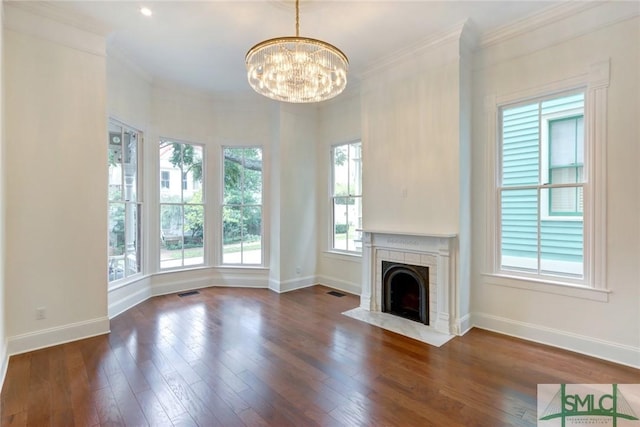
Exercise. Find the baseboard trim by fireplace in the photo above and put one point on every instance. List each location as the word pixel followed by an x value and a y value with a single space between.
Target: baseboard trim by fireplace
pixel 401 326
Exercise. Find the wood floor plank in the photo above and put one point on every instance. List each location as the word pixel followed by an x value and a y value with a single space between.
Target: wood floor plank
pixel 128 406
pixel 61 406
pixel 84 411
pixel 107 407
pixel 15 393
pixel 39 410
pixel 153 411
pixel 251 357
pixel 225 392
pixel 170 404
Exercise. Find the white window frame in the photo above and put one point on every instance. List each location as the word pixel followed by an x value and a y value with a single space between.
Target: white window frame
pixel 333 197
pixel 544 159
pixel 263 245
pixel 593 285
pixel 182 205
pixel 114 284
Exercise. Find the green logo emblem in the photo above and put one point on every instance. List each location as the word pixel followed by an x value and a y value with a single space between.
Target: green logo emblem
pixel 565 405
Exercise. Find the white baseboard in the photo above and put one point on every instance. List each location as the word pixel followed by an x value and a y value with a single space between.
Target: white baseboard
pixel 134 293
pixel 179 286
pixel 126 297
pixel 166 284
pixel 464 324
pixel 614 352
pixel 341 285
pixel 292 284
pixel 57 335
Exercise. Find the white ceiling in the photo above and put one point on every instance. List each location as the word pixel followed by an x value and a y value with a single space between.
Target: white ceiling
pixel 202 44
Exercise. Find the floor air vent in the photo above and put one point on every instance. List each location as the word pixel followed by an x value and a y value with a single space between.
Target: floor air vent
pixel 189 293
pixel 336 294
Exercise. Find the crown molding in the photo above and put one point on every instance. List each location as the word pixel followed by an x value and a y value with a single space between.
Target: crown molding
pixel 532 22
pixel 59 12
pixel 27 18
pixel 435 40
pixel 469 36
pixel 555 25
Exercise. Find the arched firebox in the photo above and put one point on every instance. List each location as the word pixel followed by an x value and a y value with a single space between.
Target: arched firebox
pixel 405 291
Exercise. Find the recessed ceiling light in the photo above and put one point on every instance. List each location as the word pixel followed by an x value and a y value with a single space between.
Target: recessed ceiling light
pixel 146 11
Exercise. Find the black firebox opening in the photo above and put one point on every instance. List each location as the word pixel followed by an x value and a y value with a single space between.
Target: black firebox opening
pixel 406 291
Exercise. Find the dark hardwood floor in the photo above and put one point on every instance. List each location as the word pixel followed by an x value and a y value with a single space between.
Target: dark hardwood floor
pixel 251 357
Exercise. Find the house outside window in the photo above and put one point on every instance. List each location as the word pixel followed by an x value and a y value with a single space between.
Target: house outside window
pixel 182 210
pixel 242 206
pixel 566 165
pixel 541 187
pixel 124 232
pixel 346 197
pixel 165 180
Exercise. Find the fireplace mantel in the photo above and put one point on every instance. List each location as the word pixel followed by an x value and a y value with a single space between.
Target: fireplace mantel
pixel 438 252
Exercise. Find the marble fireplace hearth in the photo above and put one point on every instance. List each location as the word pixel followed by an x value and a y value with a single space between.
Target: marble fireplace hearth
pixel 435 252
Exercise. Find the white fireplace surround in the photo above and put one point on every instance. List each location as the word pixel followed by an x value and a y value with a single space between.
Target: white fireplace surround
pixel 437 252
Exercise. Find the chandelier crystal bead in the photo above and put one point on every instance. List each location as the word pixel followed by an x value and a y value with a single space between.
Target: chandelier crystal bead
pixel 297 69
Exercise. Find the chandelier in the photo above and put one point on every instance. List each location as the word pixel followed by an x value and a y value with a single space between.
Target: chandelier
pixel 297 69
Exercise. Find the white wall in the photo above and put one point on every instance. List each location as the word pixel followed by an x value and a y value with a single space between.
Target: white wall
pixel 3 179
pixel 606 329
pixel 55 157
pixel 128 92
pixel 294 248
pixel 339 122
pixel 411 149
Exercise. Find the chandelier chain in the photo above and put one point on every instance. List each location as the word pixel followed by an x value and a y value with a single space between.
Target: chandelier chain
pixel 297 18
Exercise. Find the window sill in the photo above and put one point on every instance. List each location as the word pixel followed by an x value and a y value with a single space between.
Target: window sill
pixel 236 267
pixel 220 267
pixel 547 286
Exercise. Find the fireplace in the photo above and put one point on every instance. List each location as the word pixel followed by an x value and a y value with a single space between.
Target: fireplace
pixel 405 291
pixel 413 277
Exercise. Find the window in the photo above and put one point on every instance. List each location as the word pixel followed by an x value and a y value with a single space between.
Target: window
pixel 566 165
pixel 182 210
pixel 541 187
pixel 124 202
pixel 242 206
pixel 185 181
pixel 165 180
pixel 546 182
pixel 346 197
